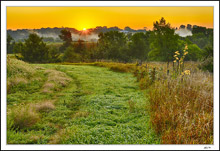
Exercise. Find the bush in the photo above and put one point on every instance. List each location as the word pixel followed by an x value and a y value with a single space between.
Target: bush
pixel 207 65
pixel 71 56
pixel 117 67
pixel 54 54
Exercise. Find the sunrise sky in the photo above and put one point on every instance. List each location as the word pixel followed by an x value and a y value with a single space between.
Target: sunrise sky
pixel 90 17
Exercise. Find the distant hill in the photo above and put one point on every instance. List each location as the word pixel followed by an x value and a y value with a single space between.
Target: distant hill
pixel 52 34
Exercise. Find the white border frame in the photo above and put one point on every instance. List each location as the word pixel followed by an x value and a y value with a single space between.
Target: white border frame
pixel 4 4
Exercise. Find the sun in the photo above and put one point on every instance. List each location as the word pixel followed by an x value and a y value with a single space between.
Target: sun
pixel 84 29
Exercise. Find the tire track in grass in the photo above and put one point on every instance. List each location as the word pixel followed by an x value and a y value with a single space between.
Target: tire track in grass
pixel 72 102
pixel 116 107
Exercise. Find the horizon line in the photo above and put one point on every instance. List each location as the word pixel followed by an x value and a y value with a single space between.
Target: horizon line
pixel 102 26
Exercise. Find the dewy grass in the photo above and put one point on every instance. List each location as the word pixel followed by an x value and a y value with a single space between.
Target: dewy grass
pixel 182 108
pixel 92 109
pixel 97 106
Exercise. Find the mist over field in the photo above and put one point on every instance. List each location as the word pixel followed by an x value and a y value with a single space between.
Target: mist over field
pixel 92 36
pixel 183 32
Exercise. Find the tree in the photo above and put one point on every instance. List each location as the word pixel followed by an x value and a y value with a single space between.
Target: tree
pixel 207 60
pixel 71 56
pixel 201 37
pixel 66 36
pixel 80 48
pixel 164 41
pixel 112 45
pixel 18 47
pixel 10 44
pixel 54 54
pixel 92 51
pixel 34 50
pixel 207 52
pixel 139 46
pixel 195 53
pixel 67 39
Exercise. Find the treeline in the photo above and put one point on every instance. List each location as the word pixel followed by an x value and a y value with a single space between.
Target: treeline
pixel 159 44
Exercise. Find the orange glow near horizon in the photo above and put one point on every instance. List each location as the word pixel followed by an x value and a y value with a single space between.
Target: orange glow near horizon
pixel 89 17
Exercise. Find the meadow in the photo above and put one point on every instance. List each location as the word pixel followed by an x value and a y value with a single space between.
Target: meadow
pixel 151 87
pixel 70 104
pixel 107 103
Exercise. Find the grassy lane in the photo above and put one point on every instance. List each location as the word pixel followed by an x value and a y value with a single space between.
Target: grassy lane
pixel 108 108
pixel 97 106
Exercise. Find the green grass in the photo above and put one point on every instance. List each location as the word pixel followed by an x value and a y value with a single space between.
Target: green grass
pixel 98 106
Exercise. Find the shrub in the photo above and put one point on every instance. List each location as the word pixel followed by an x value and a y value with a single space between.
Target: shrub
pixel 207 65
pixel 70 55
pixel 117 67
pixel 145 82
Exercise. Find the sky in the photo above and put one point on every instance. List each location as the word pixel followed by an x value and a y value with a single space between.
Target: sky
pixel 90 17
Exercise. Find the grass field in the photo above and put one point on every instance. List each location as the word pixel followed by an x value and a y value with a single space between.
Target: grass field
pixel 70 104
pixel 108 103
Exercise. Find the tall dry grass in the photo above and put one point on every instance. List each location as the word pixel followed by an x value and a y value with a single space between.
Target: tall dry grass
pixel 18 68
pixel 45 106
pixel 23 117
pixel 182 109
pixel 117 67
pixel 55 80
pixel 18 72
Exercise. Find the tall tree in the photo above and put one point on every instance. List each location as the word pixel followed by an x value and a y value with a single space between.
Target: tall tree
pixel 164 41
pixel 66 36
pixel 71 56
pixel 139 46
pixel 34 50
pixel 10 44
pixel 112 45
